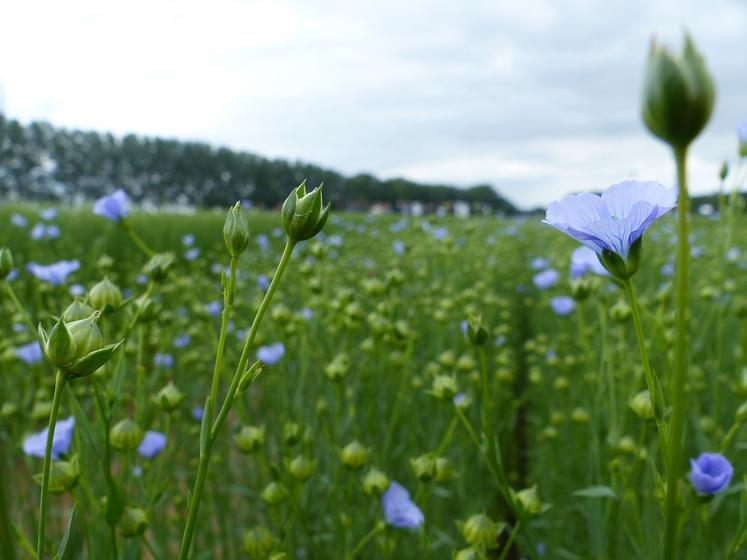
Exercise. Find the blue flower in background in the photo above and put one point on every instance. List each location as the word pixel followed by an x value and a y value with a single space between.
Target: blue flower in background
pixel 585 260
pixel 307 314
pixel 55 273
pixel 48 214
pixel 263 282
pixel 399 510
pixel 711 473
pixel 192 254
pixel 163 360
pixel 152 444
pixel 42 231
pixel 77 290
pixel 742 133
pixel 398 247
pixel 539 263
pixel 546 279
pixel 35 444
pixel 188 240
pixel 53 232
pixel 29 353
pixel 197 413
pixel 562 305
pixel 112 206
pixel 271 354
pixel 182 341
pixel 214 308
pixel 19 221
pixel 667 269
pixel 616 219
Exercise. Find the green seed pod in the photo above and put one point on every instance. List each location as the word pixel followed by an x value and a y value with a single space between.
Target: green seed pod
pixel 63 476
pixel 250 439
pixel 529 500
pixel 86 334
pixel 424 467
pixel 642 406
pixel 444 387
pixel 354 455
pixel 678 94
pixel 125 435
pixel 375 482
pixel 105 295
pixel 236 231
pixel 158 267
pixel 626 444
pixel 466 554
pixel 479 529
pixel 580 415
pixel 620 312
pixel 292 433
pixel 258 542
pixel 301 468
pixel 76 311
pixel 134 522
pixel 477 334
pixel 444 470
pixel 170 397
pixel 274 493
pixel 6 262
pixel 41 410
pixel 338 368
pixel 303 214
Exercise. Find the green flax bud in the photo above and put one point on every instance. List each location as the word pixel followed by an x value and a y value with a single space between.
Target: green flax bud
pixel 236 231
pixel 6 262
pixel 303 213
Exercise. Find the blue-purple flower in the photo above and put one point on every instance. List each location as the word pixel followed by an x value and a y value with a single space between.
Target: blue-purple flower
pixel 711 473
pixel 562 305
pixel 610 224
pixel 55 273
pixel 17 220
pixel 29 353
pixel 192 254
pixel 112 206
pixel 214 308
pixel 35 444
pixel 539 263
pixel 263 283
pixel 152 444
pixel 42 231
pixel 163 360
pixel 197 413
pixel 585 260
pixel 399 510
pixel 398 247
pixel 182 341
pixel 48 214
pixel 188 240
pixel 546 279
pixel 271 354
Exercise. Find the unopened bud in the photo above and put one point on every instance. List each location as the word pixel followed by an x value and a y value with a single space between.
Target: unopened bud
pixel 236 231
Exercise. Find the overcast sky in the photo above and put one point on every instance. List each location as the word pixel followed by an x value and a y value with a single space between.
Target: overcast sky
pixel 538 97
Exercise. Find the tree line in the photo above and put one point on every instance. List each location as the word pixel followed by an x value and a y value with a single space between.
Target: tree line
pixel 43 162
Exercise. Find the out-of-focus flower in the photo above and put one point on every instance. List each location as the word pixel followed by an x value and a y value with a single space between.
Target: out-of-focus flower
pixel 398 247
pixel 112 206
pixel 35 444
pixel 271 354
pixel 42 231
pixel 562 305
pixel 539 263
pixel 48 214
pixel 55 273
pixel 188 240
pixel 197 413
pixel 214 308
pixel 585 260
pixel 192 254
pixel 263 283
pixel 163 360
pixel 182 341
pixel 30 353
pixel 77 290
pixel 711 473
pixel 546 279
pixel 19 221
pixel 399 510
pixel 152 444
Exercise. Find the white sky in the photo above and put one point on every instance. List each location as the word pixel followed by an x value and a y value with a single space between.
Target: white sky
pixel 539 97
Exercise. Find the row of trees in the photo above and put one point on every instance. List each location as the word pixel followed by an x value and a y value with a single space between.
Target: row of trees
pixel 43 162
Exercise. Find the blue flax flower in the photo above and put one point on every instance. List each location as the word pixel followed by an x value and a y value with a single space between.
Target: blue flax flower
pixel 29 353
pixel 35 444
pixel 711 473
pixel 112 206
pixel 271 354
pixel 546 279
pixel 562 305
pixel 399 510
pixel 585 260
pixel 55 273
pixel 152 444
pixel 612 223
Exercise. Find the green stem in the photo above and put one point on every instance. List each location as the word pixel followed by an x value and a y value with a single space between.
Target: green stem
pixel 19 307
pixel 136 238
pixel 194 504
pixel 378 528
pixel 58 386
pixel 510 541
pixel 677 384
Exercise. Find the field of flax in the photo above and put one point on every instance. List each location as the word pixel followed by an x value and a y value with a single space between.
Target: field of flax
pixel 306 385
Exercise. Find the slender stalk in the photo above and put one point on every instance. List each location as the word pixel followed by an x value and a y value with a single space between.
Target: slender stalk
pixel 677 383
pixel 136 238
pixel 19 307
pixel 202 467
pixel 378 528
pixel 58 386
pixel 510 540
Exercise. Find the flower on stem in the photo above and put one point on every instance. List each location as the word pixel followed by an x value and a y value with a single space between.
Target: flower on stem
pixel 29 353
pixel 399 510
pixel 55 273
pixel 152 444
pixel 271 354
pixel 562 305
pixel 613 224
pixel 112 206
pixel 711 473
pixel 546 279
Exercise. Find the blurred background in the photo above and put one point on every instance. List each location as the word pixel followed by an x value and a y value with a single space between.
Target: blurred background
pixel 209 102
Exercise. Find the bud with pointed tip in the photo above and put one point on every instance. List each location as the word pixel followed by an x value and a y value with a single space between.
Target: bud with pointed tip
pixel 125 435
pixel 63 476
pixel 6 262
pixel 250 439
pixel 105 294
pixel 158 267
pixel 236 231
pixel 424 467
pixel 301 468
pixel 529 500
pixel 304 214
pixel 476 332
pixel 375 482
pixel 170 397
pixel 479 529
pixel 354 455
pixel 134 521
pixel 76 311
pixel 678 94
